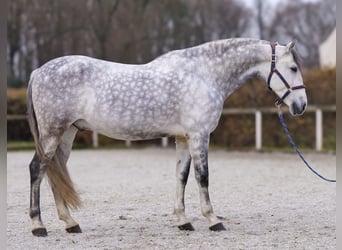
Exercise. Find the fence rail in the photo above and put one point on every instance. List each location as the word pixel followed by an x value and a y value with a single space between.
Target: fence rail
pixel 318 110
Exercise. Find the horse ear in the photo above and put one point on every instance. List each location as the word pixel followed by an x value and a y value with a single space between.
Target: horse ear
pixel 290 45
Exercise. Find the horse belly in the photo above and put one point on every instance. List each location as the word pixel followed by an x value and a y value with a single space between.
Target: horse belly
pixel 137 114
pixel 131 128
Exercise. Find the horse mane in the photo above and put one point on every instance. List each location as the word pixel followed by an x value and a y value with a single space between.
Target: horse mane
pixel 219 47
pixel 231 43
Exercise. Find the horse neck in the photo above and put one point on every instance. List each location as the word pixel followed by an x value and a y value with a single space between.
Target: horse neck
pixel 237 61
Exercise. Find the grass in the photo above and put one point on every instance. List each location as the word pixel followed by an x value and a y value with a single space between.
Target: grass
pixel 20 145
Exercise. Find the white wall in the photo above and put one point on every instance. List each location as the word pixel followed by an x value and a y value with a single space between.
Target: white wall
pixel 327 51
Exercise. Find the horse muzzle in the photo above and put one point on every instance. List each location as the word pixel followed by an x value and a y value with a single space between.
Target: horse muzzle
pixel 297 108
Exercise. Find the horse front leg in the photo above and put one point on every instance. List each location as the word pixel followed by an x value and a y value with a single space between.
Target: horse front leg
pixel 182 173
pixel 199 144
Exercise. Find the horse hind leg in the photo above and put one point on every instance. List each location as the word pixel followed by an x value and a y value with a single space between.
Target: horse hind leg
pixel 50 162
pixel 38 169
pixel 37 172
pixel 182 173
pixel 39 166
pixel 71 226
pixel 62 155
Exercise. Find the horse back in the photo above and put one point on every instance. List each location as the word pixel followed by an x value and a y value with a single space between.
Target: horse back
pixel 110 97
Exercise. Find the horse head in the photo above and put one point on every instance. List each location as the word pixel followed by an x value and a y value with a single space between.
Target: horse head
pixel 288 82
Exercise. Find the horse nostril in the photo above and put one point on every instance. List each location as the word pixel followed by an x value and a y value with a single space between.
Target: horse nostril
pixel 304 106
pixel 294 108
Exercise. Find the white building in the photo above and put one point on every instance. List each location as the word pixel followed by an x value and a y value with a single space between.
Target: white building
pixel 327 51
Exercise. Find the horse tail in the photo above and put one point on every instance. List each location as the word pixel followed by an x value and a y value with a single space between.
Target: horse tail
pixel 57 171
pixel 31 117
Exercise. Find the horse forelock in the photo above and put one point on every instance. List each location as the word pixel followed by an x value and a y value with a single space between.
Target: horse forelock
pixel 297 58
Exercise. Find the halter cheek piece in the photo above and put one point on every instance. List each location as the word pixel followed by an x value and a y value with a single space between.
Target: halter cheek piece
pixel 274 70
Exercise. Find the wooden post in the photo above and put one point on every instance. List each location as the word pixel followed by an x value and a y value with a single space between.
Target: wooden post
pixel 258 130
pixel 95 139
pixel 319 129
pixel 165 142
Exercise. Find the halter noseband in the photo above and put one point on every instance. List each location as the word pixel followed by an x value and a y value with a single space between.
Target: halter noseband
pixel 274 70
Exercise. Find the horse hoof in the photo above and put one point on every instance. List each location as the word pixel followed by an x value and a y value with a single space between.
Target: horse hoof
pixel 74 229
pixel 217 227
pixel 39 232
pixel 186 227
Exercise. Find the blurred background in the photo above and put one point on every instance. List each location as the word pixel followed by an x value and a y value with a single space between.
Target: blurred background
pixel 137 31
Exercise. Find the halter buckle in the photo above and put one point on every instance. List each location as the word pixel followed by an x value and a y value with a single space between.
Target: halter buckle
pixel 278 102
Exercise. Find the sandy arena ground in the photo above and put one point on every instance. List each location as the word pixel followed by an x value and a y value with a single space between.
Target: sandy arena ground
pixel 265 200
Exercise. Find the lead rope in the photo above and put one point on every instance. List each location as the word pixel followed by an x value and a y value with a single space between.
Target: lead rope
pixel 293 144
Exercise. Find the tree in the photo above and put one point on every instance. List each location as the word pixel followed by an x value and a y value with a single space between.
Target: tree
pixel 308 22
pixel 135 31
pixel 15 11
pixel 101 14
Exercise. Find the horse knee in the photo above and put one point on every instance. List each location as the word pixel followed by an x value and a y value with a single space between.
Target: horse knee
pixel 200 157
pixel 184 174
pixel 202 176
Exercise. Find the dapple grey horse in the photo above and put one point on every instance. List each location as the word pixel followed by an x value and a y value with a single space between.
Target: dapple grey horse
pixel 180 94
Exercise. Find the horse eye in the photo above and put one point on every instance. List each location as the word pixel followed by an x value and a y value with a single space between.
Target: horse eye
pixel 294 69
